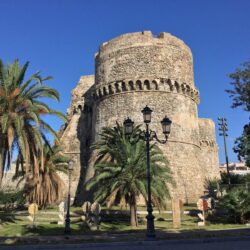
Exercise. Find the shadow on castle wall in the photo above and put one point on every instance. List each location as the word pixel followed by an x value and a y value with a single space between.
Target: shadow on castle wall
pixel 85 135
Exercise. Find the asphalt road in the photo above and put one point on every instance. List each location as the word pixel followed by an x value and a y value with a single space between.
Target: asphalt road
pixel 242 243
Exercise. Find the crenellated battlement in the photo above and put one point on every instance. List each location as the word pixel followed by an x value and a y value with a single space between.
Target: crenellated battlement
pixel 162 84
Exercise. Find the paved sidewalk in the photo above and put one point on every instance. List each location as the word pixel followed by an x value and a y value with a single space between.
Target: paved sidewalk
pixel 232 243
pixel 126 238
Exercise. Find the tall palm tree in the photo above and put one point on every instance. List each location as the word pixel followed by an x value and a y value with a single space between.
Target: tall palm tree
pixel 21 110
pixel 49 187
pixel 120 170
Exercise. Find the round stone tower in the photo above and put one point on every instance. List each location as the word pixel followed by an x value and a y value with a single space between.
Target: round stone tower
pixel 132 71
pixel 138 69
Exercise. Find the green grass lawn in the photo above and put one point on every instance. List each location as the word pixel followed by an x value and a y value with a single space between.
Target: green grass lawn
pixel 18 225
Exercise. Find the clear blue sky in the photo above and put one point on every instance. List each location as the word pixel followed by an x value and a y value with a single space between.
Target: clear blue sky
pixel 60 37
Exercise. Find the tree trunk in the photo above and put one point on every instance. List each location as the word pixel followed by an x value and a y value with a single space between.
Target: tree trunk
pixel 133 211
pixel 1 169
pixel 242 218
pixel 1 175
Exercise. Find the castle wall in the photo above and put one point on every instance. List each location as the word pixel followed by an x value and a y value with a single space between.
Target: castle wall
pixel 74 139
pixel 182 149
pixel 209 160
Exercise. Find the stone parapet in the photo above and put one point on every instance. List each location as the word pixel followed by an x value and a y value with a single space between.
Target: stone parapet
pixel 141 38
pixel 141 55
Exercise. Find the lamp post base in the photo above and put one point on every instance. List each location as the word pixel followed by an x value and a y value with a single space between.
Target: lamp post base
pixel 150 235
pixel 67 229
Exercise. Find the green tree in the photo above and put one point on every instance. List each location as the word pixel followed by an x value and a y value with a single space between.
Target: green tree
pixel 21 110
pixel 241 87
pixel 120 170
pixel 242 145
pixel 240 80
pixel 49 187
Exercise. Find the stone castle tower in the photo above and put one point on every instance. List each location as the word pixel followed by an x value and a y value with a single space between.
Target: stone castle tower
pixel 132 71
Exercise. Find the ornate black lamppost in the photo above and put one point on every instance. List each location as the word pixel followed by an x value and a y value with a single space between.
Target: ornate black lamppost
pixel 147 136
pixel 67 229
pixel 223 132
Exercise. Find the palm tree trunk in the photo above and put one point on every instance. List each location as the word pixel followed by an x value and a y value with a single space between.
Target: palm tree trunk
pixel 1 166
pixel 1 170
pixel 133 211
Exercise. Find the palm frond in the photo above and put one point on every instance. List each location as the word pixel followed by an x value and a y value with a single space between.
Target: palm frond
pixel 121 165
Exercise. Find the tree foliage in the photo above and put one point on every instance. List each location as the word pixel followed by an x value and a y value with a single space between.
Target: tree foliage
pixel 240 93
pixel 120 170
pixel 49 187
pixel 242 145
pixel 11 199
pixel 236 179
pixel 21 110
pixel 241 87
pixel 237 204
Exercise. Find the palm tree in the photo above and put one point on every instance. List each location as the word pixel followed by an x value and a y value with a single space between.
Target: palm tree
pixel 21 110
pixel 120 170
pixel 237 204
pixel 49 187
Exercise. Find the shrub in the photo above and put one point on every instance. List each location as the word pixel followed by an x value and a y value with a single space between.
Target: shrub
pixel 212 187
pixel 235 179
pixel 237 205
pixel 10 200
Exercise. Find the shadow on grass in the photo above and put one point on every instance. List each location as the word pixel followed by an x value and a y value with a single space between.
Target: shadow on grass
pixel 54 229
pixel 7 217
pixel 117 232
pixel 77 229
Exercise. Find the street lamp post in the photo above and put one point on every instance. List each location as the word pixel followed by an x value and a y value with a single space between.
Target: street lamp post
pixel 223 132
pixel 67 229
pixel 149 135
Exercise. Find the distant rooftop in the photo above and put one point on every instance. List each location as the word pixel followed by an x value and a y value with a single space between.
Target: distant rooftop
pixel 235 168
